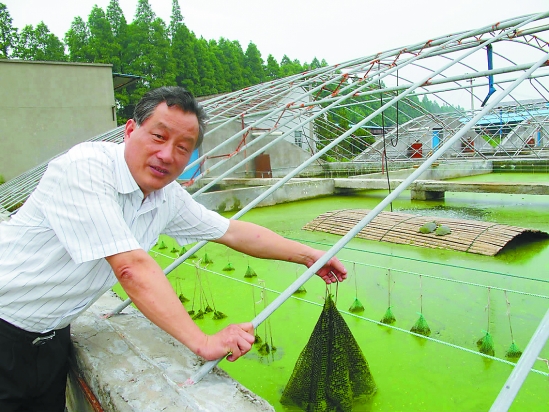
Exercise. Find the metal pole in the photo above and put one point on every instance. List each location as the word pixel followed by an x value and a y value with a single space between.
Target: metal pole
pixel 522 368
pixel 472 97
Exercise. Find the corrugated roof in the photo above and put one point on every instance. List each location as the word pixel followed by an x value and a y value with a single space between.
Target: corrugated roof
pixel 509 117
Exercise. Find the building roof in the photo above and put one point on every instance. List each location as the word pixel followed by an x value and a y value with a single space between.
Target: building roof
pixel 508 117
pixel 120 80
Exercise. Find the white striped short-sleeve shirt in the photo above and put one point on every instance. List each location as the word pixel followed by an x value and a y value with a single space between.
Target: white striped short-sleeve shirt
pixel 86 207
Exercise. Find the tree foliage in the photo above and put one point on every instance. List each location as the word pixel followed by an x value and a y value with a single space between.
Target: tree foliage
pixel 8 34
pixel 39 44
pixel 171 54
pixel 254 67
pixel 77 40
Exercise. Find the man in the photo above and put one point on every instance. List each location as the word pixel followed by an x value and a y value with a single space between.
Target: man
pixel 90 222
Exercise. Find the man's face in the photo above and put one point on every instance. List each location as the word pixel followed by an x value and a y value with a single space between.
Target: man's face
pixel 157 151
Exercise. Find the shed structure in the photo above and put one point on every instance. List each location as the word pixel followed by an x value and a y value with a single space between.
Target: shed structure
pixel 48 107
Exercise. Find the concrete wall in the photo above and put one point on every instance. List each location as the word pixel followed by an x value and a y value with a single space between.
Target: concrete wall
pixel 295 189
pixel 48 107
pixel 289 119
pixel 439 171
pixel 127 364
pixel 284 156
pixel 213 140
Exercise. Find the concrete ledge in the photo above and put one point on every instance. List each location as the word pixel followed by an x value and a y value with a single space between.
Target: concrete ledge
pixel 295 189
pixel 438 171
pixel 444 186
pixel 426 195
pixel 131 365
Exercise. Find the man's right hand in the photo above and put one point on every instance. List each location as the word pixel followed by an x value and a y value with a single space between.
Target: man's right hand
pixel 231 342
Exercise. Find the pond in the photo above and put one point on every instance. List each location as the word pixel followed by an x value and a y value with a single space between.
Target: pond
pixel 461 295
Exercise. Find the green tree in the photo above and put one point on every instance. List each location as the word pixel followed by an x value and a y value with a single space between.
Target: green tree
pixel 102 46
pixel 273 68
pixel 182 48
pixel 254 67
pixel 8 33
pixel 231 56
pixel 39 44
pixel 206 72
pixel 136 58
pixel 176 19
pixel 144 13
pixel 315 64
pixel 161 69
pixel 149 55
pixel 289 67
pixel 220 67
pixel 116 18
pixel 121 64
pixel 139 50
pixel 119 29
pixel 77 40
pixel 434 107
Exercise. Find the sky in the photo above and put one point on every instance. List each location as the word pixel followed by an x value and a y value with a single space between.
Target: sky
pixel 333 30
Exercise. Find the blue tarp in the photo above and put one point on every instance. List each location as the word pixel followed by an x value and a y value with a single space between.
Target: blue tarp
pixel 189 174
pixel 508 117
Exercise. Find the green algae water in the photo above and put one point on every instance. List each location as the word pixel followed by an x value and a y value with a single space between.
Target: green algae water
pixel 460 295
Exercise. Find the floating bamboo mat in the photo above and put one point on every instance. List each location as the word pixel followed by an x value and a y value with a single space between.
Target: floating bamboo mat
pixel 484 238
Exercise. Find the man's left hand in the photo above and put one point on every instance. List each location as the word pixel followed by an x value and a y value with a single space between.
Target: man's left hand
pixel 332 271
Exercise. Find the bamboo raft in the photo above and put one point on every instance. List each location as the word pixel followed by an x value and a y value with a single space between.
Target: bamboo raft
pixel 484 238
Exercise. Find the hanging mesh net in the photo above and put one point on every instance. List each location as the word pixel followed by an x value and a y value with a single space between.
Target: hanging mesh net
pixel 356 306
pixel 331 373
pixel 486 344
pixel 388 318
pixel 421 326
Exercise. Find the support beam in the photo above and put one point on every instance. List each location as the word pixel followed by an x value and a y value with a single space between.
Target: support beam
pixel 426 195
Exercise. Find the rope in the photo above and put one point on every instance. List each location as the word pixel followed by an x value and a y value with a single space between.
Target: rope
pixel 332 214
pixel 377 322
pixel 463 282
pixel 477 236
pixel 344 78
pixel 491 272
pixel 432 339
pixel 371 67
pixel 282 114
pixel 383 136
pixel 509 315
pixel 395 142
pixel 395 225
pixel 389 288
pixel 487 309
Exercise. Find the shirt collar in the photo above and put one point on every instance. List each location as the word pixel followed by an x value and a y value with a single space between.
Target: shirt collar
pixel 126 183
pixel 124 180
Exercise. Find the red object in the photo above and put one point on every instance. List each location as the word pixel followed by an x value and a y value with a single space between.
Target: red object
pixel 263 166
pixel 415 151
pixel 468 146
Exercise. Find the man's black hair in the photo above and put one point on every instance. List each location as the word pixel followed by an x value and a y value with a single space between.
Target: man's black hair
pixel 172 96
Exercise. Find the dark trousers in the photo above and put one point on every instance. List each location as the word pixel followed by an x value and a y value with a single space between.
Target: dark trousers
pixel 33 369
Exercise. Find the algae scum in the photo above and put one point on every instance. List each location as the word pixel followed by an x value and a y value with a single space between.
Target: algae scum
pixel 468 302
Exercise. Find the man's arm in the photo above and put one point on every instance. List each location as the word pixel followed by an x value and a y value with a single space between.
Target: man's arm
pixel 261 242
pixel 149 289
